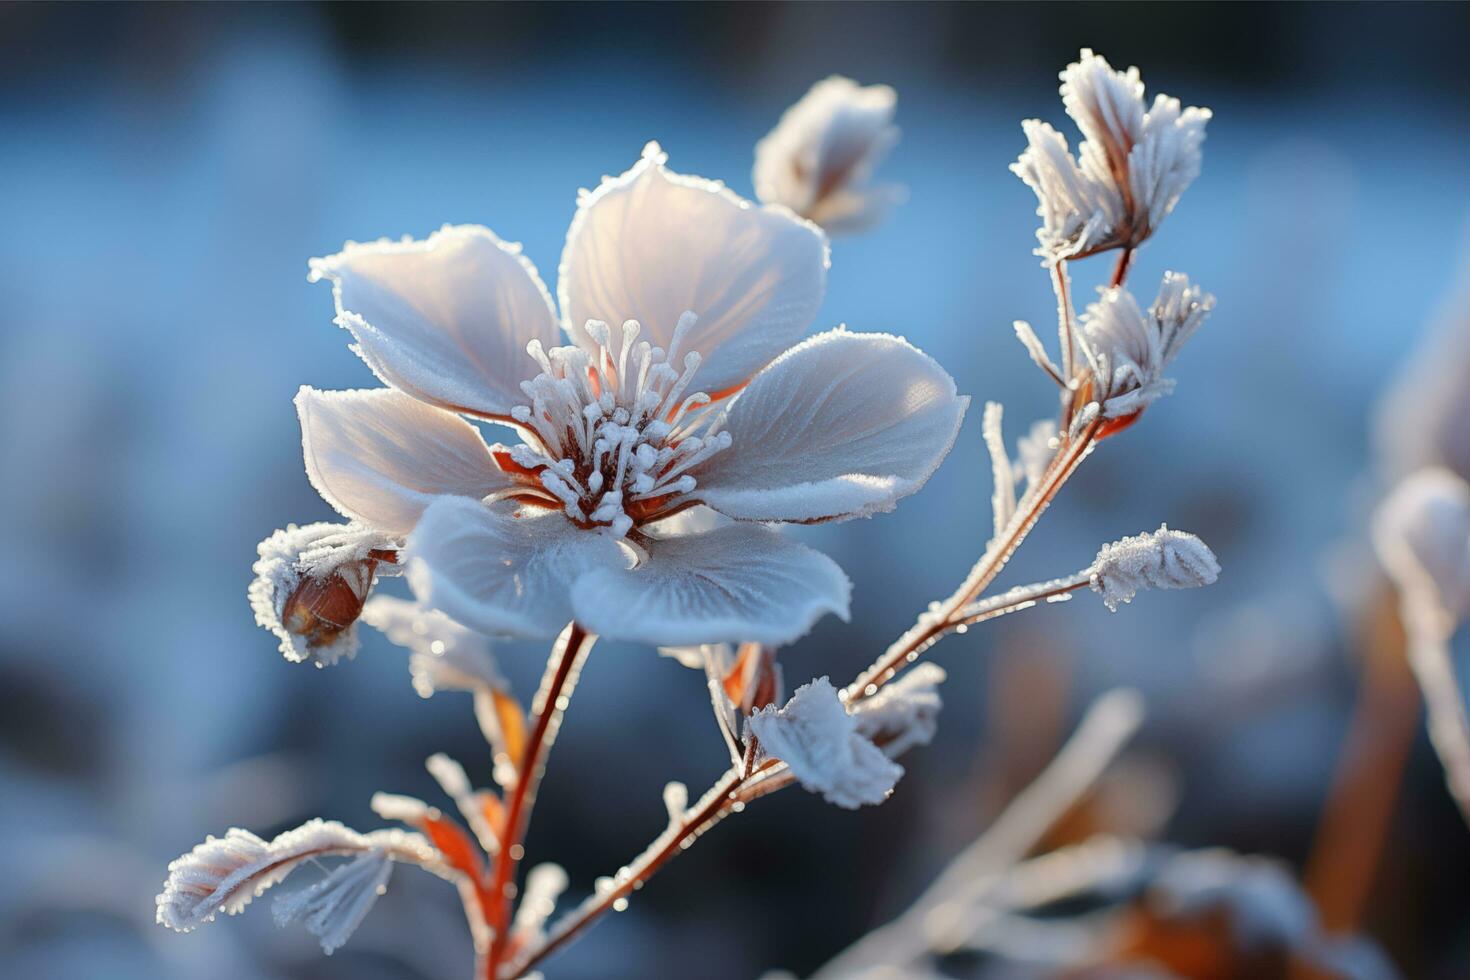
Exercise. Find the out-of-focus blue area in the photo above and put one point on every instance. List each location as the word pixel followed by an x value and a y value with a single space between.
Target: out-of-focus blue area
pixel 165 174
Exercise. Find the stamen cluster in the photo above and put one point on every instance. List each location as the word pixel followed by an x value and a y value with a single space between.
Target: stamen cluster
pixel 615 433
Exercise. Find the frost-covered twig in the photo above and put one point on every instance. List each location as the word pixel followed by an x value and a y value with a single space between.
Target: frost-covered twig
pixel 934 921
pixel 562 668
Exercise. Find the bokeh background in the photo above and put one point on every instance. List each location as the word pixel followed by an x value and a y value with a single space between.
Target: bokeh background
pixel 166 171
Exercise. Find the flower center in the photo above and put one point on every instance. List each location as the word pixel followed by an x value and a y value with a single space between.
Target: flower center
pixel 617 431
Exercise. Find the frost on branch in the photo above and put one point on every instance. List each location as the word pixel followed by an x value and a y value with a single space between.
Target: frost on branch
pixel 1422 533
pixel 816 737
pixel 225 874
pixel 905 713
pixel 819 159
pixel 1132 167
pixel 739 682
pixel 310 584
pixel 334 907
pixel 1161 559
pixel 1128 349
pixel 544 885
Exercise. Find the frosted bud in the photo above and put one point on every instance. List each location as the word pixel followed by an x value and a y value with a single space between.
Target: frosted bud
pixel 819 159
pixel 310 585
pixel 903 714
pixel 544 885
pixel 1161 559
pixel 1422 533
pixel 820 742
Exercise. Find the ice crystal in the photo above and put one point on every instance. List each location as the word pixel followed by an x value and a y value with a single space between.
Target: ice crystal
pixel 1161 559
pixel 821 743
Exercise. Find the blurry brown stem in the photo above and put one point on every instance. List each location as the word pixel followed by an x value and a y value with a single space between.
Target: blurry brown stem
pixel 562 668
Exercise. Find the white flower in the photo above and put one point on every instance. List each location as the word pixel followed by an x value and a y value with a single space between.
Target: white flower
pixel 1128 350
pixel 224 874
pixel 1131 169
pixel 821 743
pixel 820 157
pixel 310 584
pixel 1422 533
pixel 633 422
pixel 1161 559
pixel 905 713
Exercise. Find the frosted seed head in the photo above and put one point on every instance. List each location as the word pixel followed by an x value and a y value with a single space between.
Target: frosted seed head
pixel 1161 559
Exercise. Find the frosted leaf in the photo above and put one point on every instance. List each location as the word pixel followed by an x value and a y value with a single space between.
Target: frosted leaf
pixel 651 244
pixel 843 425
pixel 739 582
pixel 820 742
pixel 1263 905
pixel 444 656
pixel 224 874
pixel 310 584
pixel 904 713
pixel 402 809
pixel 1003 494
pixel 696 656
pixel 445 320
pixel 334 907
pixel 819 159
pixel 544 885
pixel 1134 162
pixel 1128 349
pixel 1161 559
pixel 1422 533
pixel 1035 450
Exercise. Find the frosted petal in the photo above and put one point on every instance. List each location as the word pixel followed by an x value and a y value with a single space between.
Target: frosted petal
pixel 840 426
pixel 738 583
pixel 382 457
pixel 447 319
pixel 652 244
pixel 500 573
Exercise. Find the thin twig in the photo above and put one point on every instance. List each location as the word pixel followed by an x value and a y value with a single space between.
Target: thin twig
pixel 1104 731
pixel 562 668
pixel 1120 271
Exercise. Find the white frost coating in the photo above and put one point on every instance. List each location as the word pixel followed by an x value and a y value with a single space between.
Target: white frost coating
pixel 403 809
pixel 820 742
pixel 444 656
pixel 1131 169
pixel 224 874
pixel 544 885
pixel 1035 450
pixel 1422 533
pixel 904 713
pixel 1161 559
pixel 334 907
pixel 676 800
pixel 843 425
pixel 1003 494
pixel 1128 349
pixel 819 160
pixel 317 551
pixel 1261 902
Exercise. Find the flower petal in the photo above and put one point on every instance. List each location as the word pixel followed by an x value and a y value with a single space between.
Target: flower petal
pixel 382 457
pixel 500 573
pixel 840 426
pixel 652 244
pixel 446 320
pixel 737 583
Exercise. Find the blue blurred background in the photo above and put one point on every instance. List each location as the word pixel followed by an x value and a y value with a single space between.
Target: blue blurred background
pixel 166 171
